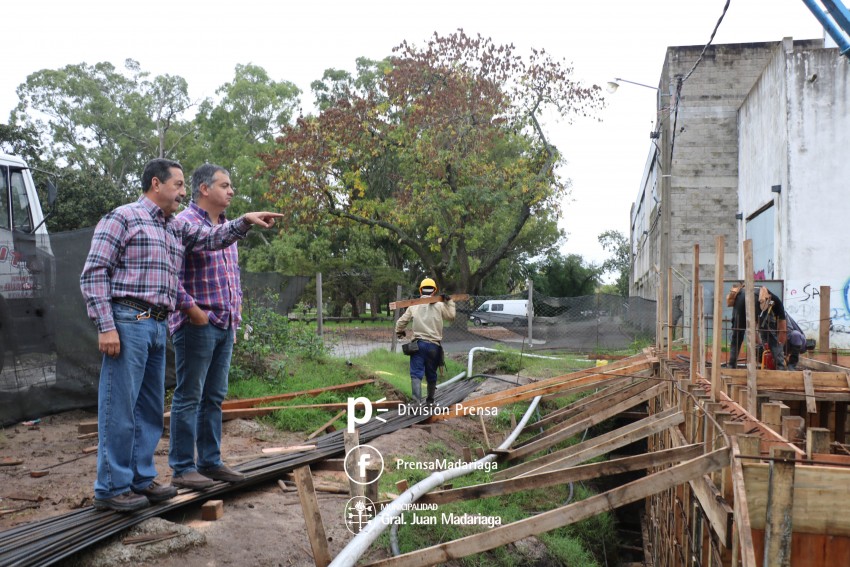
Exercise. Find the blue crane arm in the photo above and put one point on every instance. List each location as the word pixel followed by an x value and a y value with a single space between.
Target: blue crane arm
pixel 835 19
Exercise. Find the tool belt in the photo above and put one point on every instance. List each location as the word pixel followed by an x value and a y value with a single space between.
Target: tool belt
pixel 153 311
pixel 411 347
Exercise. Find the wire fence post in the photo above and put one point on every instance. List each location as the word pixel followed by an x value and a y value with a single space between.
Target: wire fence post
pixel 530 312
pixel 319 309
pixel 395 318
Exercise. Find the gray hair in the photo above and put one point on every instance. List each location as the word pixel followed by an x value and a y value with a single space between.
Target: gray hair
pixel 204 176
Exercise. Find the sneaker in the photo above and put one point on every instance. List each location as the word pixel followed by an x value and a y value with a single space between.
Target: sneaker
pixel 223 473
pixel 157 492
pixel 193 480
pixel 127 502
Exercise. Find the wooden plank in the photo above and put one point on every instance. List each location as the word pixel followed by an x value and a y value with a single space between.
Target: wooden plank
pixel 716 336
pixel 521 393
pixel 599 445
pixel 695 330
pixel 611 394
pixel 824 323
pixel 811 406
pixel 669 312
pixel 287 450
pixel 780 501
pixel 351 440
pixel 573 474
pixel 312 516
pixel 327 424
pixel 820 498
pixel 565 515
pixel 426 300
pixel 559 433
pixel 752 327
pixel 742 510
pixel 252 402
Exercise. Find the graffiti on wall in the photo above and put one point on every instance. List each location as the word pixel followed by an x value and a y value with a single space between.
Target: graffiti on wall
pixel 803 304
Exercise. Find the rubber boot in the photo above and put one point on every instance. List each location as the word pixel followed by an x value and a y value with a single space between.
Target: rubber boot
pixel 432 390
pixel 416 390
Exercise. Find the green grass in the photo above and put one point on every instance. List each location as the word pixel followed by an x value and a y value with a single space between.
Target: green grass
pixel 394 368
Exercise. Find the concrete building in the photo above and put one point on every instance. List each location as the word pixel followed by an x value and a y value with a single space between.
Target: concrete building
pixel 749 145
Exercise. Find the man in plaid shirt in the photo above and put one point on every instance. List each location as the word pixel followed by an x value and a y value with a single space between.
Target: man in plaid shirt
pixel 130 283
pixel 203 329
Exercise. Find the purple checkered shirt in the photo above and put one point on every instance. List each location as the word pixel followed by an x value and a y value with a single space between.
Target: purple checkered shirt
pixel 209 280
pixel 136 252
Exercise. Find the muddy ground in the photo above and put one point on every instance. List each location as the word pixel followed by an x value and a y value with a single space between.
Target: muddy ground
pixel 261 526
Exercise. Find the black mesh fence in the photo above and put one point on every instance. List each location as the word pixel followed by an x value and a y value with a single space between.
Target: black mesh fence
pixel 49 360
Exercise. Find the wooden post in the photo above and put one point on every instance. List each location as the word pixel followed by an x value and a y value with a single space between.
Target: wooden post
pixel 718 313
pixel 823 327
pixel 669 312
pixel 659 317
pixel 817 441
pixel 793 428
pixel 702 326
pixel 752 328
pixel 395 318
pixel 771 415
pixel 840 421
pixel 695 306
pixel 370 491
pixel 530 311
pixel 352 457
pixel 319 314
pixel 780 503
pixel 312 516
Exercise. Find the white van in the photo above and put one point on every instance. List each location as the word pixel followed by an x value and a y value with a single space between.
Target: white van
pixel 506 312
pixel 26 262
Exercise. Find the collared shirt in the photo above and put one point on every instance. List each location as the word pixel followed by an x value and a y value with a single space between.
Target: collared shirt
pixel 137 252
pixel 427 320
pixel 210 279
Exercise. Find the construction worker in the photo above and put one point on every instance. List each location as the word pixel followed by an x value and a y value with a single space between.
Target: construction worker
pixel 772 325
pixel 427 334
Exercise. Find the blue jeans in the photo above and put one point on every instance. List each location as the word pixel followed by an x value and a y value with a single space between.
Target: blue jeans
pixel 130 400
pixel 202 355
pixel 425 362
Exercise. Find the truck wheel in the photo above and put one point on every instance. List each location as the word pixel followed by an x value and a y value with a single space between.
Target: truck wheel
pixel 477 322
pixel 517 322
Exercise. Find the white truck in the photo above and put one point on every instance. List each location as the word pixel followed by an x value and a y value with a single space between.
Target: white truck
pixel 26 262
pixel 505 312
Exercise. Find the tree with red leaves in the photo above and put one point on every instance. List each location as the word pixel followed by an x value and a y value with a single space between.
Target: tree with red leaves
pixel 440 148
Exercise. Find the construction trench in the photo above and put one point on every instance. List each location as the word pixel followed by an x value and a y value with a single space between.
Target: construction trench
pixel 731 474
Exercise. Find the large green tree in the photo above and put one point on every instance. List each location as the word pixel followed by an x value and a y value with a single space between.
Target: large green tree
pixel 104 119
pixel 619 262
pixel 441 151
pixel 557 275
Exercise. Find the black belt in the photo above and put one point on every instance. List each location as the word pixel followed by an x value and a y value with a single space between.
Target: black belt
pixel 153 311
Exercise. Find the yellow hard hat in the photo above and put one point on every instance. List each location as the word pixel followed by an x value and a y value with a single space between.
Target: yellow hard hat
pixel 427 282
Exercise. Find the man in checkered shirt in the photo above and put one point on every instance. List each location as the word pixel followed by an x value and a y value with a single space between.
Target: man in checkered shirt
pixel 130 283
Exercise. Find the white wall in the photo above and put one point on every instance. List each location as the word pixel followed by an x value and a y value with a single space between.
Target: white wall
pixel 794 130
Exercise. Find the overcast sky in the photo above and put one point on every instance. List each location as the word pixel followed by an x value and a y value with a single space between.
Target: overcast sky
pixel 297 41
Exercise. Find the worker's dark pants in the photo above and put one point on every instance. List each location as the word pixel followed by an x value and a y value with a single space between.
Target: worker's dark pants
pixel 425 361
pixel 776 349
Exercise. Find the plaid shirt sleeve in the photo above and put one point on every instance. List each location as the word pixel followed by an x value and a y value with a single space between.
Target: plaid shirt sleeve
pixel 95 281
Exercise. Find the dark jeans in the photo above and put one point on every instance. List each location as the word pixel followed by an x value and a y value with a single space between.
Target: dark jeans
pixel 425 361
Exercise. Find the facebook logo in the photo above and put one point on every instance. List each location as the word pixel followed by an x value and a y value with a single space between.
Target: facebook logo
pixel 363 464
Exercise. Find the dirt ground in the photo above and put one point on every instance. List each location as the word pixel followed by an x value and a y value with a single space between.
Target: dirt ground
pixel 262 525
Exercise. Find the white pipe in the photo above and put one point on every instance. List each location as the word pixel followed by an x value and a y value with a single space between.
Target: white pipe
pixel 376 526
pixel 452 380
pixel 488 349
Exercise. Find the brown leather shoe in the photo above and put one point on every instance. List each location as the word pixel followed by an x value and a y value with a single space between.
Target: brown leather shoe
pixel 127 502
pixel 193 480
pixel 157 492
pixel 223 473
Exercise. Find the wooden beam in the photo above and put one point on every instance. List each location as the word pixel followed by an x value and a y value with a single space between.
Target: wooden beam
pixel 695 306
pixel 824 323
pixel 252 402
pixel 565 515
pixel 247 413
pixel 780 504
pixel 811 405
pixel 312 516
pixel 426 300
pixel 718 313
pixel 596 446
pixel 327 424
pixel 752 327
pixel 613 392
pixel 669 312
pixel 572 474
pixel 742 511
pixel 561 432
